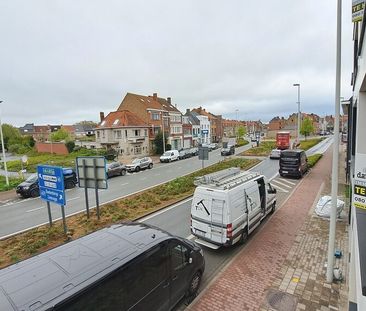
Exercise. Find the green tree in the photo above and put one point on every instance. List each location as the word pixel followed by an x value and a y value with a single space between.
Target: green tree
pixel 70 145
pixel 91 123
pixel 241 131
pixel 10 134
pixel 60 135
pixel 307 127
pixel 158 143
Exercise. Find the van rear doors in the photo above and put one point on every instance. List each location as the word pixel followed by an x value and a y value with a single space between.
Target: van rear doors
pixel 208 216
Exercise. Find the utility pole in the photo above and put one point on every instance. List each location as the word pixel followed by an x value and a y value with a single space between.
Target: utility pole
pixel 333 212
pixel 3 149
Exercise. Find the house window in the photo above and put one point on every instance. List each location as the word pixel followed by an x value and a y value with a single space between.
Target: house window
pixel 126 133
pixel 137 132
pixel 117 134
pixel 145 133
pixel 103 134
pixel 98 134
pixel 155 116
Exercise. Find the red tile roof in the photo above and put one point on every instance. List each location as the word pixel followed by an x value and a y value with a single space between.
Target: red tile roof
pixel 125 119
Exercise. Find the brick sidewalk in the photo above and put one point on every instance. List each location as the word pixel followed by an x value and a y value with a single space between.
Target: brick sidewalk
pixel 285 258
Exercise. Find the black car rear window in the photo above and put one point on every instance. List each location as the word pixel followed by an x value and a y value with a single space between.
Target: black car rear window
pixel 289 154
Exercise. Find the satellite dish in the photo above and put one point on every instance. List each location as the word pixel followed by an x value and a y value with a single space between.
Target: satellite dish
pixel 24 159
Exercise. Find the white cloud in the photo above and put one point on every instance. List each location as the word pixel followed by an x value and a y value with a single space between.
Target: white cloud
pixel 64 61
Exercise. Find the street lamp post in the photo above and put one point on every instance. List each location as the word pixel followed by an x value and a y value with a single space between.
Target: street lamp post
pixel 3 149
pixel 162 122
pixel 236 122
pixel 298 111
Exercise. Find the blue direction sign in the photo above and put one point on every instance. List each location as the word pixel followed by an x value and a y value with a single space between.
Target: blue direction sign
pixel 51 184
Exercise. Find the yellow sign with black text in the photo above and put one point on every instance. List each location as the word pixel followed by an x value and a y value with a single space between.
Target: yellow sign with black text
pixel 360 190
pixel 357 10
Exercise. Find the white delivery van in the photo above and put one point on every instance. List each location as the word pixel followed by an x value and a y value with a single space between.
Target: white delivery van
pixel 169 156
pixel 228 205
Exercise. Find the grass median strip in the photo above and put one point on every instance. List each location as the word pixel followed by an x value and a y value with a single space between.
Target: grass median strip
pixel 130 208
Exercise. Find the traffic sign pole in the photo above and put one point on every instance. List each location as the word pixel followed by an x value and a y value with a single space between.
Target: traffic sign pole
pixel 64 218
pixel 49 213
pixel 86 191
pixel 96 187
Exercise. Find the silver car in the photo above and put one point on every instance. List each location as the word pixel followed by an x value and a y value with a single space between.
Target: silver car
pixel 140 164
pixel 275 154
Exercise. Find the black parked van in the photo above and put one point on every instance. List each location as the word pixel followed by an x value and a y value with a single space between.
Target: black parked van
pixel 293 163
pixel 124 267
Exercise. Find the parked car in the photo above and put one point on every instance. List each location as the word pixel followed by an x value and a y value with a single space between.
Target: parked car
pixel 275 154
pixel 194 151
pixel 207 146
pixel 213 146
pixel 30 187
pixel 115 169
pixel 229 150
pixel 140 164
pixel 169 156
pixel 184 154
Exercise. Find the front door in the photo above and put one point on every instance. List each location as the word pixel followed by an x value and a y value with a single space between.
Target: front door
pixel 180 271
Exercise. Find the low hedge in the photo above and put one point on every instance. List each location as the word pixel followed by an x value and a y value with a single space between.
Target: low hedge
pixel 313 159
pixel 13 182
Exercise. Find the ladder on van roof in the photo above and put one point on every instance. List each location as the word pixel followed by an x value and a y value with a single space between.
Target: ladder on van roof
pixel 216 177
pixel 226 179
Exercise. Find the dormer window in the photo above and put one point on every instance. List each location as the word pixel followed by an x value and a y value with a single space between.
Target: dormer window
pixel 116 122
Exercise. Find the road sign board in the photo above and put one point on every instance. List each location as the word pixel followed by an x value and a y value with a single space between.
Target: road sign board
pixel 203 153
pixel 51 184
pixel 204 131
pixel 92 172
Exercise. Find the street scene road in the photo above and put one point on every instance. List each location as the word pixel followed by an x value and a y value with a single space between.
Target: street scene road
pixel 176 219
pixel 28 213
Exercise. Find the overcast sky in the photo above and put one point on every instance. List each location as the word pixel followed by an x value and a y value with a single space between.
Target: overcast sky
pixel 64 61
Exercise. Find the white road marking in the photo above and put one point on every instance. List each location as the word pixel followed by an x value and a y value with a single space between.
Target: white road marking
pixel 143 178
pixel 287 181
pixel 124 184
pixel 35 209
pixel 282 190
pixel 73 199
pixel 190 237
pixel 275 181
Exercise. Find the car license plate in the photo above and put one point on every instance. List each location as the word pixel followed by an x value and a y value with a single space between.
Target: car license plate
pixel 200 232
pixel 285 172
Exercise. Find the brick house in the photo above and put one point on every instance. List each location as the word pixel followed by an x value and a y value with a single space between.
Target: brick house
pixel 276 124
pixel 123 131
pixel 176 137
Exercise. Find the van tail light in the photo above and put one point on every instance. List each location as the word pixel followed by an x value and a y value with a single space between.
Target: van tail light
pixel 229 230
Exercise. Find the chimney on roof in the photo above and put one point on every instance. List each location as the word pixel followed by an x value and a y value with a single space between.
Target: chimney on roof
pixel 188 111
pixel 169 100
pixel 155 96
pixel 101 115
